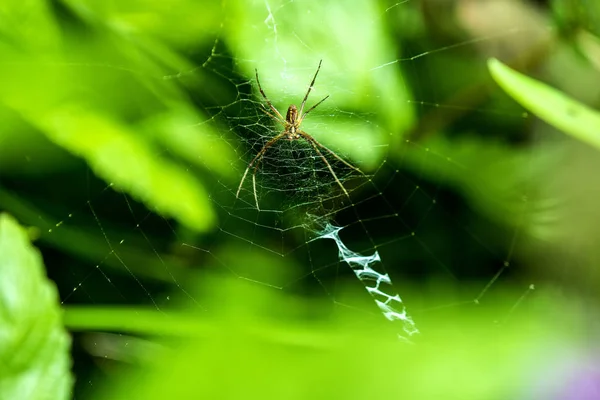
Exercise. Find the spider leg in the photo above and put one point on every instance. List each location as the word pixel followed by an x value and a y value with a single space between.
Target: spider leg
pixel 267 99
pixel 312 141
pixel 310 109
pixel 254 187
pixel 254 179
pixel 315 141
pixel 257 160
pixel 243 179
pixel 271 115
pixel 309 89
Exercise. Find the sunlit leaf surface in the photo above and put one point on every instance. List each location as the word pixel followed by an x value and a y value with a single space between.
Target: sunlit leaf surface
pixel 551 105
pixel 34 346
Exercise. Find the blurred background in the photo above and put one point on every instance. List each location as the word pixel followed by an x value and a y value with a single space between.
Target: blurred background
pixel 126 129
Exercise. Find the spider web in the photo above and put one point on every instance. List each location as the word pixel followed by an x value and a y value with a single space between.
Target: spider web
pixel 398 223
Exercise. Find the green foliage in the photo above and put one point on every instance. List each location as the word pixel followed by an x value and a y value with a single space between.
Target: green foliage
pixel 100 124
pixel 116 154
pixel 256 343
pixel 156 99
pixel 34 350
pixel 551 105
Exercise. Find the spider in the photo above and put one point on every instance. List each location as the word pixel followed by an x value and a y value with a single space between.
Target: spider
pixel 291 131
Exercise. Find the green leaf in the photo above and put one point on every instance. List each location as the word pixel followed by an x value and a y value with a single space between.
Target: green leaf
pixel 127 162
pixel 259 343
pixel 184 132
pixel 102 127
pixel 119 157
pixel 549 104
pixel 34 347
pixel 590 47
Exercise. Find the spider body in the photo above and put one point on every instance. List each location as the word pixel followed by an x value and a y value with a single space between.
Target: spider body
pixel 292 121
pixel 291 131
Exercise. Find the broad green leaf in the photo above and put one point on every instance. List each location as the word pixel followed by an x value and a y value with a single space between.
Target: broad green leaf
pixel 188 134
pixel 117 153
pixel 549 104
pixel 120 157
pixel 22 23
pixel 34 347
pixel 115 75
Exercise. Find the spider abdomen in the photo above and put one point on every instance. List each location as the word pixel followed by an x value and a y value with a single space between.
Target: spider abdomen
pixel 292 115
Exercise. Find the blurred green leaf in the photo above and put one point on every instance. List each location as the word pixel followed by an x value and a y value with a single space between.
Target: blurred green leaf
pixel 119 157
pixel 21 24
pixel 115 152
pixel 102 55
pixel 181 23
pixel 257 343
pixel 590 47
pixel 34 347
pixel 499 180
pixel 551 105
pixel 188 134
pixel 572 15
